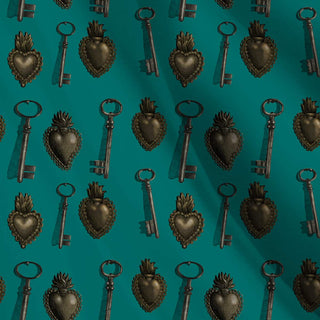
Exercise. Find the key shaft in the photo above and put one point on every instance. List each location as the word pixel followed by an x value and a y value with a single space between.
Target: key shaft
pixel 21 10
pixel 63 221
pixel 25 300
pixel 24 147
pixel 109 126
pixel 186 303
pixel 63 59
pixel 185 148
pixel 110 289
pixel 152 48
pixel 152 209
pixel 271 289
pixel 224 60
pixel 226 206
pixel 182 9
pixel 271 126
pixel 313 207
pixel 313 46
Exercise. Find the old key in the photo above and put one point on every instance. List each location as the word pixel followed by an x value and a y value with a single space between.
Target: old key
pixel 64 78
pixel 188 289
pixel 151 64
pixel 25 10
pixel 151 225
pixel 187 10
pixel 226 78
pixel 26 288
pixel 313 225
pixel 103 166
pixel 101 6
pixel 64 239
pixel 109 285
pixel 271 284
pixel 265 165
pixel 187 171
pixel 313 63
pixel 263 6
pixel 25 171
pixel 225 240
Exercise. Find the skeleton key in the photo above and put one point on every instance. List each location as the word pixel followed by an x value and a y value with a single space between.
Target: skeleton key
pixel 263 6
pixel 64 239
pixel 187 10
pixel 225 240
pixel 151 64
pixel 265 165
pixel 26 288
pixel 226 78
pixel 25 10
pixel 187 171
pixel 101 6
pixel 151 225
pixel 271 284
pixel 109 285
pixel 188 289
pixel 313 63
pixel 313 225
pixel 25 171
pixel 64 78
pixel 103 166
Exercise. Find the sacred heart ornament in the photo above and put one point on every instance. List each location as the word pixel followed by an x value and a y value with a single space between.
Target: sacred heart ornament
pixel 96 212
pixel 148 287
pixel 186 62
pixel 306 125
pixel 2 289
pixel 96 51
pixel 258 52
pixel 223 142
pixel 306 286
pixel 149 126
pixel 186 223
pixel 258 213
pixel 62 302
pixel 2 127
pixel 25 63
pixel 64 4
pixel 25 224
pixel 62 142
pixel 225 4
pixel 222 301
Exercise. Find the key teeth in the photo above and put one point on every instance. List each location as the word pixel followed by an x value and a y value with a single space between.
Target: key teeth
pixel 67 75
pixel 191 7
pixel 311 66
pixel 260 170
pixel 150 66
pixel 28 175
pixel 98 9
pixel 66 243
pixel 29 7
pixel 99 171
pixel 190 14
pixel 150 227
pixel 99 163
pixel 311 227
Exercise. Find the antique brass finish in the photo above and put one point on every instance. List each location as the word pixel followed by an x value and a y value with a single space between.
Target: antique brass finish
pixel 148 287
pixel 25 63
pixel 186 62
pixel 2 289
pixel 62 142
pixel 149 126
pixel 25 224
pixel 222 301
pixel 97 52
pixel 258 52
pixel 223 142
pixel 225 4
pixel 96 212
pixel 186 223
pixel 64 4
pixel 258 213
pixel 2 127
pixel 61 301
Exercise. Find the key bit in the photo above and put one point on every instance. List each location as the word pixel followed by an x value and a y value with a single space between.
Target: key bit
pixel 263 6
pixel 187 10
pixel 25 10
pixel 101 6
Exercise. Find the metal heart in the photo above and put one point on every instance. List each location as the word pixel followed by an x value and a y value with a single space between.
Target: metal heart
pixel 260 215
pixel 25 63
pixel 64 307
pixel 186 226
pixel 98 215
pixel 25 225
pixel 64 4
pixel 225 4
pixel 150 290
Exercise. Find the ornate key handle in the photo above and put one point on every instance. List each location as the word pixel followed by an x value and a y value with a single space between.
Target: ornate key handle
pixel 146 180
pixel 16 108
pixel 66 34
pixel 272 275
pixel 189 102
pixel 27 263
pixel 146 18
pixel 66 195
pixel 307 180
pixel 111 114
pixel 272 114
pixel 227 195
pixel 111 275
pixel 189 263
pixel 307 18
pixel 227 34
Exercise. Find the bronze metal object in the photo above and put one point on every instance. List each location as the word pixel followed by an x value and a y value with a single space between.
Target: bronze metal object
pixel 25 10
pixel 97 213
pixel 258 52
pixel 306 125
pixel 64 4
pixel 25 224
pixel 2 289
pixel 263 6
pixel 258 213
pixel 2 127
pixel 223 141
pixel 222 301
pixel 100 6
pixel 62 142
pixel 186 62
pixel 25 63
pixel 186 223
pixel 61 301
pixel 225 4
pixel 187 10
pixel 148 287
pixel 148 126
pixel 306 286
pixel 97 52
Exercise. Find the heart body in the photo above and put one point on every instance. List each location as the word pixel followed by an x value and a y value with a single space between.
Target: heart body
pixel 64 4
pixel 225 4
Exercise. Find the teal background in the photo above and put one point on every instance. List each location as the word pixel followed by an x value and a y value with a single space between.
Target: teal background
pixel 127 83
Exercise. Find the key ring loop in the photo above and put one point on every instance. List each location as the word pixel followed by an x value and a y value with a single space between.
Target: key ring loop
pixel 274 114
pixel 16 108
pixel 110 275
pixel 147 179
pixel 66 184
pixel 307 8
pixel 226 23
pixel 188 102
pixel 112 114
pixel 227 184
pixel 272 275
pixel 310 179
pixel 66 34
pixel 146 18
pixel 27 263
pixel 188 263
